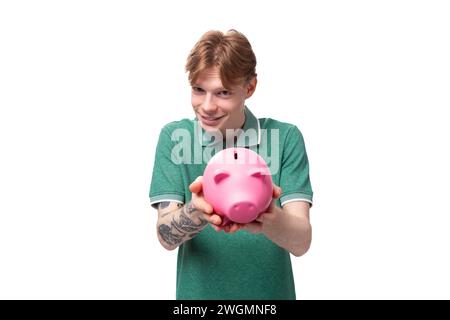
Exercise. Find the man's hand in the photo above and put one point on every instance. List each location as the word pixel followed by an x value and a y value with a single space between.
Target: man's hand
pixel 257 225
pixel 288 227
pixel 266 220
pixel 199 203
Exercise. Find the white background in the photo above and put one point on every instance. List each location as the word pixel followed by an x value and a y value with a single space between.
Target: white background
pixel 85 87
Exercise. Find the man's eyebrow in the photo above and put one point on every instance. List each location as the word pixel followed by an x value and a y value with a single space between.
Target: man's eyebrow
pixel 218 89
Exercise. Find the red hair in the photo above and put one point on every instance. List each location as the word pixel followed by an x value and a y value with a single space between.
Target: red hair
pixel 231 53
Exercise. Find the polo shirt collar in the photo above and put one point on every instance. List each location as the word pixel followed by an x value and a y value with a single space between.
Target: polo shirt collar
pixel 206 138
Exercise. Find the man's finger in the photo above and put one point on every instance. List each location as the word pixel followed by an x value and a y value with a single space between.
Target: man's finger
pixel 196 185
pixel 202 205
pixel 216 227
pixel 276 191
pixel 213 219
pixel 235 227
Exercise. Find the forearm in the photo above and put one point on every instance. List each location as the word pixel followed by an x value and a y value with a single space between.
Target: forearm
pixel 175 226
pixel 292 233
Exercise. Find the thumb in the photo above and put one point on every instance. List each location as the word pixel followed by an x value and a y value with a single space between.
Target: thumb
pixel 276 192
pixel 196 185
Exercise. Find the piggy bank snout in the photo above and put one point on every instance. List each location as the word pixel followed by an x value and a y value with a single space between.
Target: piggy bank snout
pixel 243 212
pixel 238 185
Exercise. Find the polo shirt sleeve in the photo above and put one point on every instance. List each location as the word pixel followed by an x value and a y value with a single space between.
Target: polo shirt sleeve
pixel 166 184
pixel 294 174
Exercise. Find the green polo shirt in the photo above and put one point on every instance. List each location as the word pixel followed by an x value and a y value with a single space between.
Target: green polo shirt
pixel 217 265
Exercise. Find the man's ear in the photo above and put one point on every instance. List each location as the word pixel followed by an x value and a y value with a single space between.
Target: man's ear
pixel 251 87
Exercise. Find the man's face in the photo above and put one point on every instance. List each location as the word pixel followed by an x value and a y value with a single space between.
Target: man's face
pixel 218 108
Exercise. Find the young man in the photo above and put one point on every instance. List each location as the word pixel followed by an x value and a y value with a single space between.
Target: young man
pixel 250 261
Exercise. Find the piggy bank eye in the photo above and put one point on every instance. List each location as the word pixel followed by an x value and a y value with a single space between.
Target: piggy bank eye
pixel 220 174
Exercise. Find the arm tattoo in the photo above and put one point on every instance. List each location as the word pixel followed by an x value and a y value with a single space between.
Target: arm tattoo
pixel 163 204
pixel 189 209
pixel 168 236
pixel 186 224
pixel 193 235
pixel 185 227
pixel 179 205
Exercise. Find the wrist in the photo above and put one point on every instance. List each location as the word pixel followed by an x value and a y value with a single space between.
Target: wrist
pixel 190 210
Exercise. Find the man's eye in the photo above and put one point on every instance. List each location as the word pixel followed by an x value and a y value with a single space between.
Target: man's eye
pixel 197 89
pixel 225 93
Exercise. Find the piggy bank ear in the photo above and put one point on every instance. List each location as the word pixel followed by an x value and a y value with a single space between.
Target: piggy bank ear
pixel 258 173
pixel 220 174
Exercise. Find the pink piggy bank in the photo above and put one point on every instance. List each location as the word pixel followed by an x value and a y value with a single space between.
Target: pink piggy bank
pixel 238 185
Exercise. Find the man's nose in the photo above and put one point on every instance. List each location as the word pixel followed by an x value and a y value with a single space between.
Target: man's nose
pixel 208 105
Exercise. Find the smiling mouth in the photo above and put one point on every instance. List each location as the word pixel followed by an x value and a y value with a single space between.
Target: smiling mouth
pixel 211 118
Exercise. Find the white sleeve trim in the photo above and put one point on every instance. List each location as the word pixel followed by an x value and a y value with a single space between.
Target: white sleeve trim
pixel 297 199
pixel 166 200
